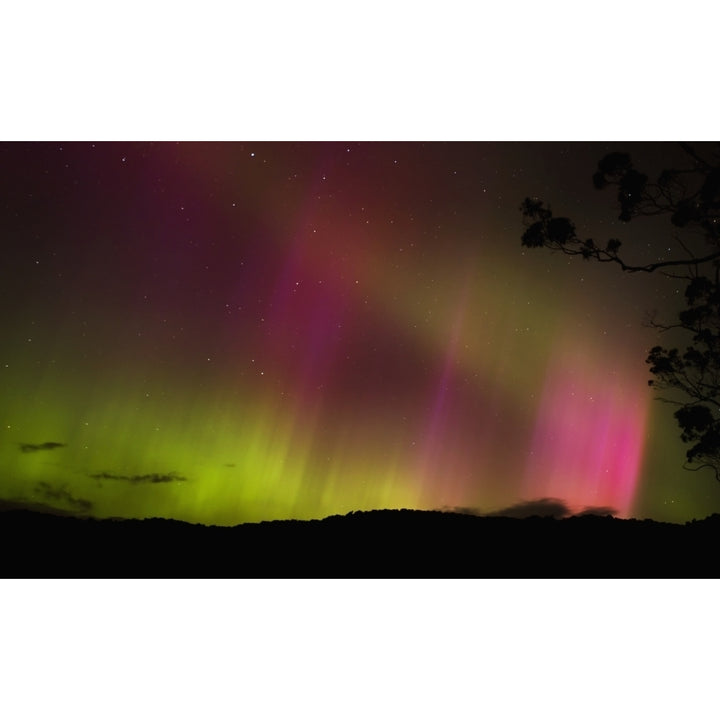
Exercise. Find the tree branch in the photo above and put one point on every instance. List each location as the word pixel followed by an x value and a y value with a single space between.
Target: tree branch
pixel 603 256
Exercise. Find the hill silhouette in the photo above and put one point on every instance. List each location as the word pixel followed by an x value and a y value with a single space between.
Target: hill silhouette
pixel 380 543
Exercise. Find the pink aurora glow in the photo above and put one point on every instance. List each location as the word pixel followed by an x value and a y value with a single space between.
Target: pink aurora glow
pixel 587 444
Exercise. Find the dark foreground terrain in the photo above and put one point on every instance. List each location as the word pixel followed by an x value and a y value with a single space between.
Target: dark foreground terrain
pixel 383 543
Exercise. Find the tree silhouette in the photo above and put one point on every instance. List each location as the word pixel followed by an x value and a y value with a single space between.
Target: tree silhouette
pixel 689 197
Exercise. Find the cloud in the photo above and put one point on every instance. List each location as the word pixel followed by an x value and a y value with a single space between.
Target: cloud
pixel 598 510
pixel 31 447
pixel 63 495
pixel 28 505
pixel 151 478
pixel 543 507
pixel 50 497
pixel 461 510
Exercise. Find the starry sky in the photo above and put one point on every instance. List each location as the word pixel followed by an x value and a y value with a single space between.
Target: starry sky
pixel 228 332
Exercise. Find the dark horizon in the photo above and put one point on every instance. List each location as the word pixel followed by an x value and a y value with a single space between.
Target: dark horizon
pixel 412 544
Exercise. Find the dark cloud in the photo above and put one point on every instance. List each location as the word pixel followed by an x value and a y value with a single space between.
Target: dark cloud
pixel 29 505
pixel 151 478
pixel 598 510
pixel 32 447
pixel 543 507
pixel 63 495
pixel 461 510
pixel 52 498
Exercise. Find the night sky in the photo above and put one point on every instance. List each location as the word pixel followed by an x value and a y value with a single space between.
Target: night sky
pixel 244 331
